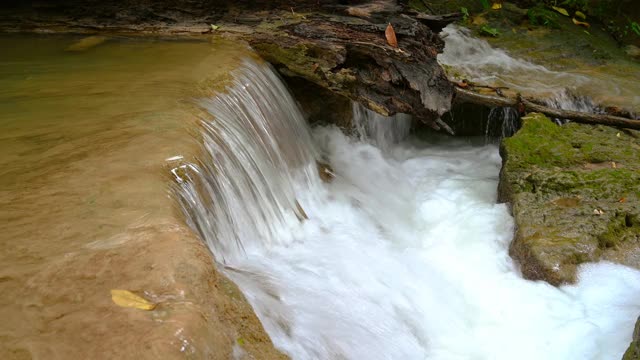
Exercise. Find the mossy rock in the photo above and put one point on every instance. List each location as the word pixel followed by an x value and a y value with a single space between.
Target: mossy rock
pixel 633 352
pixel 575 194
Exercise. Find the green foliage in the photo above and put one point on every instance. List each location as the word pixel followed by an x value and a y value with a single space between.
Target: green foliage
pixel 465 14
pixel 540 15
pixel 635 27
pixel 485 4
pixel 488 30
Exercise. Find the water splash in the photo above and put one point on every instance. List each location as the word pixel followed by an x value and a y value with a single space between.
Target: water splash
pixel 257 145
pixel 404 255
pixel 381 130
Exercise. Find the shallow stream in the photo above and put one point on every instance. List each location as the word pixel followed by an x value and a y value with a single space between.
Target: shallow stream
pixel 402 255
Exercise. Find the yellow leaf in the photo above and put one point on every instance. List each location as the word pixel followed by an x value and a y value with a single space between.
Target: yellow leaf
pixel 126 298
pixel 390 34
pixel 560 10
pixel 581 15
pixel 496 6
pixel 585 24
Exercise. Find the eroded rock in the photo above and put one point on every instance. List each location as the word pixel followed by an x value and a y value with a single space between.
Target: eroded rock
pixel 575 196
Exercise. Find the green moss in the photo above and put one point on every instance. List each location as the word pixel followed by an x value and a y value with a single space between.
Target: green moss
pixel 539 143
pixel 597 168
pixel 622 227
pixel 544 144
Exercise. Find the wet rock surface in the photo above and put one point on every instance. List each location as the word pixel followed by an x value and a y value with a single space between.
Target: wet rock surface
pixel 574 191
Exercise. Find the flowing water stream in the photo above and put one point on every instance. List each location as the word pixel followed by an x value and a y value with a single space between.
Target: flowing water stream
pixel 403 255
pixel 580 89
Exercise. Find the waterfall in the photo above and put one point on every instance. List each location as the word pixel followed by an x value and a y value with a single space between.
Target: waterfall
pixel 381 130
pixel 256 146
pixel 403 255
pixel 503 122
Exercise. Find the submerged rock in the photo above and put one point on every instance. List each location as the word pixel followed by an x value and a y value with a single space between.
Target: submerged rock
pixel 574 191
pixel 86 43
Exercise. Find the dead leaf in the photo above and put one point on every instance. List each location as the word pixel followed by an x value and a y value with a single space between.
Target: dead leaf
pixel 614 165
pixel 496 6
pixel 618 135
pixel 581 23
pixel 622 200
pixel 581 15
pixel 315 67
pixel 598 212
pixel 126 298
pixel 560 10
pixel 390 34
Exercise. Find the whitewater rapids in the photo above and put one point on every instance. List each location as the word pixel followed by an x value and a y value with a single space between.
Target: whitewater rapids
pixel 404 255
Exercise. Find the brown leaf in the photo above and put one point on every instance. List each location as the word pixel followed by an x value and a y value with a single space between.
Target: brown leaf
pixel 390 34
pixel 622 200
pixel 581 23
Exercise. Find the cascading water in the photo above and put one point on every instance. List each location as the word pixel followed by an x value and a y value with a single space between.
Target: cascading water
pixel 243 189
pixel 380 130
pixel 503 122
pixel 483 64
pixel 403 255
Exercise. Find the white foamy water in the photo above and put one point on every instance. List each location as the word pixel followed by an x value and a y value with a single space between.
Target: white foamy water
pixel 403 255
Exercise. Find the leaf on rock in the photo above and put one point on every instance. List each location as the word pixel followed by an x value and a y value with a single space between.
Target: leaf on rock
pixel 390 34
pixel 581 23
pixel 581 15
pixel 126 298
pixel 488 30
pixel 560 10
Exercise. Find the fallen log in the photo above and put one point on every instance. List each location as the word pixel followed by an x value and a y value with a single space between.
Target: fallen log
pixel 352 57
pixel 522 104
